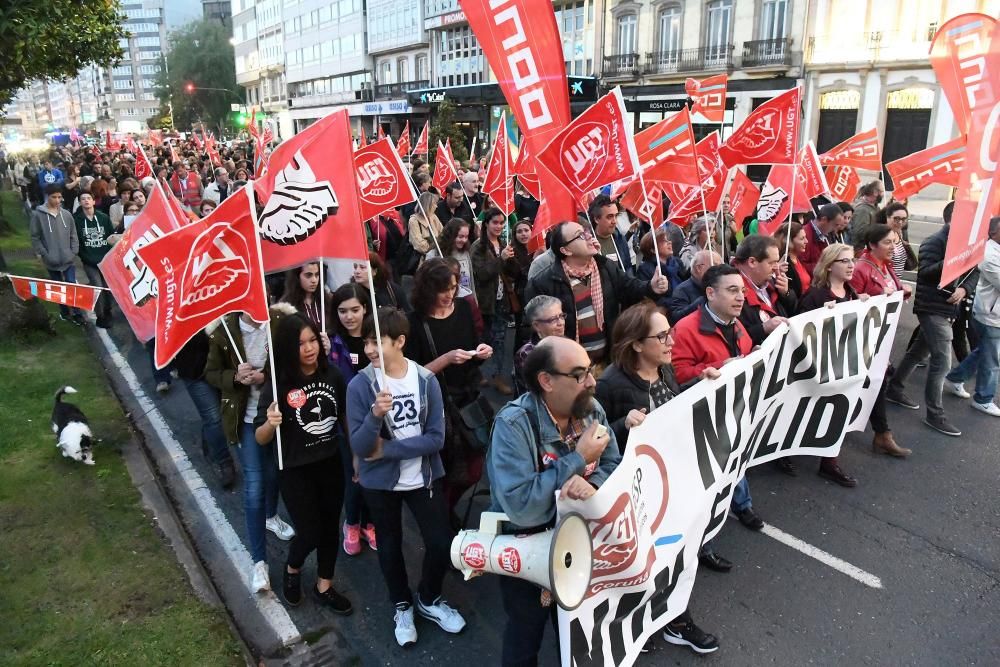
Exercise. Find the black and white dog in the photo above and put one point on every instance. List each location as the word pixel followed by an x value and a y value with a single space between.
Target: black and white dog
pixel 72 429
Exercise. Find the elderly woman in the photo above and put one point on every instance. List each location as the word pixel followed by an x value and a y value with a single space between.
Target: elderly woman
pixel 701 233
pixel 545 316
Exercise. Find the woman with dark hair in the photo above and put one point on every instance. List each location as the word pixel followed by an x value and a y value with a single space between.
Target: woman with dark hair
pixel 517 267
pixel 895 216
pixel 310 403
pixel 639 380
pixel 490 257
pixel 456 241
pixel 443 340
pixel 302 290
pixel 387 292
pixel 670 266
pixel 792 240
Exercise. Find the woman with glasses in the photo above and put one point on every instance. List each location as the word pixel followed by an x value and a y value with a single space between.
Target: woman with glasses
pixel 640 379
pixel 545 316
pixel 896 216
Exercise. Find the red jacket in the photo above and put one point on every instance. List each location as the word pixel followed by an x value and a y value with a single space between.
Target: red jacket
pixel 868 278
pixel 698 344
pixel 814 249
pixel 190 194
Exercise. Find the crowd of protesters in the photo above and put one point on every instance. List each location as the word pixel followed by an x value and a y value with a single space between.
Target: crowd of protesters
pixel 607 322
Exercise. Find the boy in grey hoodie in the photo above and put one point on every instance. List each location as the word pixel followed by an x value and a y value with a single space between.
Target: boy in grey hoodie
pixel 55 242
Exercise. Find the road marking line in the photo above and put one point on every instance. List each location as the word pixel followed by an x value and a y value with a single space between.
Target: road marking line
pixel 837 564
pixel 273 612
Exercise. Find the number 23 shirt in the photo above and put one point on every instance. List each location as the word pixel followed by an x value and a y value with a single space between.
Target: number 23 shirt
pixel 404 422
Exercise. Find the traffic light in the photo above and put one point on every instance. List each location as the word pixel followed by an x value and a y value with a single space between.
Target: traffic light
pixel 189 87
pixel 241 119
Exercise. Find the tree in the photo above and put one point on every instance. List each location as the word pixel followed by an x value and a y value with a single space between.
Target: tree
pixel 200 57
pixel 443 128
pixel 55 40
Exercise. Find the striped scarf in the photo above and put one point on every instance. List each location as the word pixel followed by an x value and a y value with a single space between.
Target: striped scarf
pixel 596 292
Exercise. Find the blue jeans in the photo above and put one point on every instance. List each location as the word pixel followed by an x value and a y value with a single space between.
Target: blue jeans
pixel 983 362
pixel 159 374
pixel 260 489
pixel 206 400
pixel 741 496
pixel 934 341
pixel 67 276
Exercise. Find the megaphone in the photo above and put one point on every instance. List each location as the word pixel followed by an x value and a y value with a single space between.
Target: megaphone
pixel 560 560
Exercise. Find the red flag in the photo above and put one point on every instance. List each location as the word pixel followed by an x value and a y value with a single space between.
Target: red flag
pixel 499 183
pixel 708 97
pixel 843 181
pixel 404 141
pixel 311 205
pixel 860 151
pixel 939 164
pixel 957 56
pixel 364 140
pixel 174 157
pixel 978 197
pixel 73 295
pixel 213 155
pixel 594 150
pixel 206 269
pixel 444 169
pixel 421 148
pixel 769 135
pixel 647 205
pixel 666 150
pixel 197 141
pixel 522 45
pixel 687 201
pixel 524 169
pixel 112 145
pixel 743 196
pixel 775 203
pixel 143 167
pixel 156 137
pixel 382 181
pixel 130 280
pixel 130 145
pixel 381 134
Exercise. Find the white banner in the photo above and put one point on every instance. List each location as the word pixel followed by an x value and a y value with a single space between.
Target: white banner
pixel 800 393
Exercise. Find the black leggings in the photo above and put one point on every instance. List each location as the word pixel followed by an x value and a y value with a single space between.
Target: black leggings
pixel 313 494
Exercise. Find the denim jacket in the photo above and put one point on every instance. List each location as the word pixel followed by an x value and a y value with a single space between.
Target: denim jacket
pixel 518 488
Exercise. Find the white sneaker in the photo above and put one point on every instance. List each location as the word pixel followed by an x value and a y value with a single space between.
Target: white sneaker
pixel 406 632
pixel 279 528
pixel 448 618
pixel 957 388
pixel 260 580
pixel 989 408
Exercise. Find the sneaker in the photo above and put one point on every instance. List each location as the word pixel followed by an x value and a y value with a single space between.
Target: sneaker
pixel 226 473
pixel 989 408
pixel 899 398
pixel 957 389
pixel 162 387
pixel 406 632
pixel 291 587
pixel 352 539
pixel 692 636
pixel 260 580
pixel 368 533
pixel 279 528
pixel 333 601
pixel 942 425
pixel 750 519
pixel 448 618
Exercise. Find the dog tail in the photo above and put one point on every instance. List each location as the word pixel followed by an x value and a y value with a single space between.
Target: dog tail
pixel 64 390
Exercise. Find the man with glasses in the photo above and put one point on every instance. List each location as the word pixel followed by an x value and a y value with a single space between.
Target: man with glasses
pixel 545 441
pixel 593 289
pixel 710 337
pixel 690 294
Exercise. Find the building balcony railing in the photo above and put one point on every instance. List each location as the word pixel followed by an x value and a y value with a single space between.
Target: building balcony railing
pixel 399 89
pixel 767 53
pixel 622 65
pixel 705 59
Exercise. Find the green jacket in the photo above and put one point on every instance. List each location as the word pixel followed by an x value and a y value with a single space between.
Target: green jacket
pixel 93 235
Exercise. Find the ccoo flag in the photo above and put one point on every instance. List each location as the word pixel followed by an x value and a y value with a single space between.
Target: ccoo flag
pixel 708 97
pixel 499 184
pixel 860 151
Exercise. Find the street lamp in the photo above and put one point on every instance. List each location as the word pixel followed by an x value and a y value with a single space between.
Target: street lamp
pixel 190 88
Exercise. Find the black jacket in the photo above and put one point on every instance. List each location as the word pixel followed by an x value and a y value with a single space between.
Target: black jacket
pixel 754 314
pixel 929 298
pixel 620 291
pixel 619 391
pixel 684 300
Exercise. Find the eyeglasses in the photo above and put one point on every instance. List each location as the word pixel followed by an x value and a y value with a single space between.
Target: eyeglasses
pixel 847 261
pixel 578 374
pixel 561 317
pixel 898 218
pixel 582 235
pixel 663 336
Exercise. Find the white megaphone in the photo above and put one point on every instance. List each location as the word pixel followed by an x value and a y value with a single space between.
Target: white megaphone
pixel 559 560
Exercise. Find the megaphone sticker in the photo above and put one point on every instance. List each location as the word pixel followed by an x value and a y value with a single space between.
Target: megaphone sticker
pixel 474 556
pixel 510 560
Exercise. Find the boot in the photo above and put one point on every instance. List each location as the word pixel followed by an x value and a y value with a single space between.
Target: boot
pixel 885 444
pixel 830 469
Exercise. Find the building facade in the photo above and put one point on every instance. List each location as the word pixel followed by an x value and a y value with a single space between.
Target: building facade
pixel 259 51
pixel 400 53
pixel 219 11
pixel 58 105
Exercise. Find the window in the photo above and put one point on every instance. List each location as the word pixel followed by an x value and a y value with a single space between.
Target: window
pixel 422 74
pixel 720 20
pixel 773 15
pixel 669 27
pixel 402 70
pixel 626 33
pixel 385 72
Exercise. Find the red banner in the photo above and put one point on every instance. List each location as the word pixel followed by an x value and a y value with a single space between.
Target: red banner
pixel 524 169
pixel 775 203
pixel 522 44
pixel 73 295
pixel 444 169
pixel 594 150
pixel 310 200
pixel 380 135
pixel 143 167
pixel 978 197
pixel 404 141
pixel 422 147
pixel 666 150
pixel 843 182
pixel 130 280
pixel 708 97
pixel 205 270
pixel 645 204
pixel 110 144
pixel 957 56
pixel 382 181
pixel 939 164
pixel 364 140
pixel 743 195
pixel 769 135
pixel 860 151
pixel 499 183
pixel 687 201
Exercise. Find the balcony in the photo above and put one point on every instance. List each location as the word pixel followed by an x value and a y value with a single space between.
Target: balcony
pixel 705 59
pixel 390 90
pixel 767 53
pixel 621 66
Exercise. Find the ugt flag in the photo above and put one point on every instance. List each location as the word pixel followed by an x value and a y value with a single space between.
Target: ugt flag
pixel 526 172
pixel 404 140
pixel 769 135
pixel 444 169
pixel 422 148
pixel 205 270
pixel 708 96
pixel 780 198
pixel 743 196
pixel 311 208
pixel 73 295
pixel 382 181
pixel 499 184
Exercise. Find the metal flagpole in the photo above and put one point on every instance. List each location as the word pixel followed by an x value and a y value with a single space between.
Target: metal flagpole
pixel 232 341
pixel 791 205
pixel 645 198
pixel 427 218
pixel 322 295
pixel 378 332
